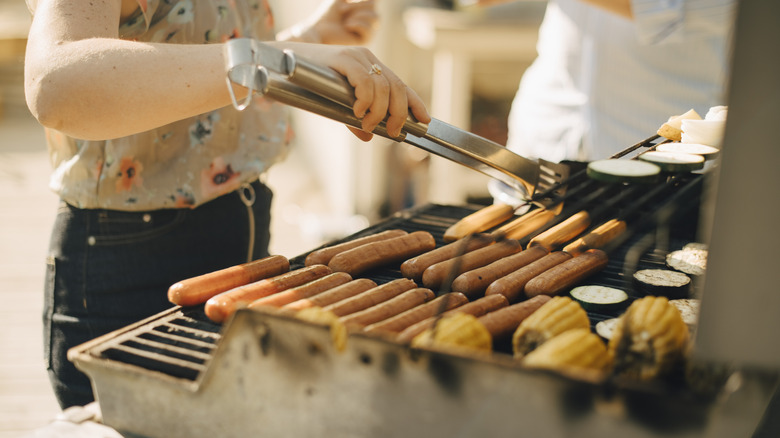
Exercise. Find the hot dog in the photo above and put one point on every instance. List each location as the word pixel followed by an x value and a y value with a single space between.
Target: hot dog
pixel 436 274
pixel 524 225
pixel 481 220
pixel 371 297
pixel 385 252
pixel 414 315
pixel 333 295
pixel 513 285
pixel 220 307
pixel 476 308
pixel 473 283
pixel 389 308
pixel 503 322
pixel 307 290
pixel 566 274
pixel 414 267
pixel 323 255
pixel 198 290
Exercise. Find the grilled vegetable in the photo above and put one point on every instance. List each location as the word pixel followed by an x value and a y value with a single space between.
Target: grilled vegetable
pixel 479 221
pixel 553 318
pixel 606 328
pixel 571 351
pixel 692 259
pixel 458 331
pixel 650 339
pixel 599 298
pixel 504 321
pixel 674 162
pixel 708 152
pixel 663 282
pixel 623 171
pixel 338 331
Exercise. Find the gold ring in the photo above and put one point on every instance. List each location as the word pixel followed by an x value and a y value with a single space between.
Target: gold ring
pixel 375 69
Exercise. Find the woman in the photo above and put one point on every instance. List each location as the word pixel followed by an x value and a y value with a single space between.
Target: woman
pixel 157 172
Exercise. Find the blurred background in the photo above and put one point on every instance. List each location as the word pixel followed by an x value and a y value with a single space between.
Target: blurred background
pixel 465 62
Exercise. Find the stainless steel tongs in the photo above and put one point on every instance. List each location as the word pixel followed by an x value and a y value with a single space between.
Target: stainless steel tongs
pixel 295 81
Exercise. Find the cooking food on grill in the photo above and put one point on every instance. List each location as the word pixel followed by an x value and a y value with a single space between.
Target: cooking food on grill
pixel 563 232
pixel 595 298
pixel 525 225
pixel 567 274
pixel 691 259
pixel 502 323
pixel 220 307
pixel 333 295
pixel 572 351
pixel 479 221
pixel 689 309
pixel 379 312
pixel 623 171
pixel 476 308
pixel 371 297
pixel 323 255
pixel 649 339
pixel 414 315
pixel 708 152
pixel 512 285
pixel 338 331
pixel 674 162
pixel 414 267
pixel 303 291
pixel 198 290
pixel 672 129
pixel 597 238
pixel 386 252
pixel 556 316
pixel 456 331
pixel 436 274
pixel 663 282
pixel 473 283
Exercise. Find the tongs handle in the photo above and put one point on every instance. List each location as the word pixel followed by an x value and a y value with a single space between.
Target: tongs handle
pixel 332 85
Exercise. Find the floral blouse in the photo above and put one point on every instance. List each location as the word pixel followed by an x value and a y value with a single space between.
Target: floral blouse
pixel 189 162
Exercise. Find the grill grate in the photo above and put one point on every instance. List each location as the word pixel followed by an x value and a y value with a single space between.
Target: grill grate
pixel 181 343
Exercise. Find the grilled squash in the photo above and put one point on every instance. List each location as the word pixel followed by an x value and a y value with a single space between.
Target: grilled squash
pixel 553 318
pixel 574 350
pixel 317 315
pixel 459 330
pixel 649 340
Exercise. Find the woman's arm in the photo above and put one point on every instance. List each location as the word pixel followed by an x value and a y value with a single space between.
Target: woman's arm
pixel 81 79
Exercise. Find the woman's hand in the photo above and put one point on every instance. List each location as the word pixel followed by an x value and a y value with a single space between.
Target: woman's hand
pixel 379 92
pixel 343 22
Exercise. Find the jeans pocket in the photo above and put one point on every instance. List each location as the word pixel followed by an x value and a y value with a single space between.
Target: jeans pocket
pixel 48 308
pixel 120 228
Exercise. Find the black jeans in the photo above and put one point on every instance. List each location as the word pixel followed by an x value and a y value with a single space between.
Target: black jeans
pixel 107 269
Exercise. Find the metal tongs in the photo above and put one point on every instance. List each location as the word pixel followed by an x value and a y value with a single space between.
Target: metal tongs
pixel 295 81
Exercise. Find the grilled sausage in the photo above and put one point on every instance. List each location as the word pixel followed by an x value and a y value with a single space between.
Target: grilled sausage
pixel 371 297
pixel 323 255
pixel 414 315
pixel 473 283
pixel 513 285
pixel 389 308
pixel 524 225
pixel 503 322
pixel 333 295
pixel 481 220
pixel 435 275
pixel 307 290
pixel 385 252
pixel 414 267
pixel 568 273
pixel 220 307
pixel 476 308
pixel 198 290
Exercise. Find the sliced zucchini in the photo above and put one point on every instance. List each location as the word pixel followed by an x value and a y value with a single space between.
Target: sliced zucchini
pixel 690 260
pixel 665 282
pixel 674 162
pixel 708 152
pixel 620 171
pixel 595 298
pixel 606 328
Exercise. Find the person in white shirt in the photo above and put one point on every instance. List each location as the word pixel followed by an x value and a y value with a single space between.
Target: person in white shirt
pixel 610 72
